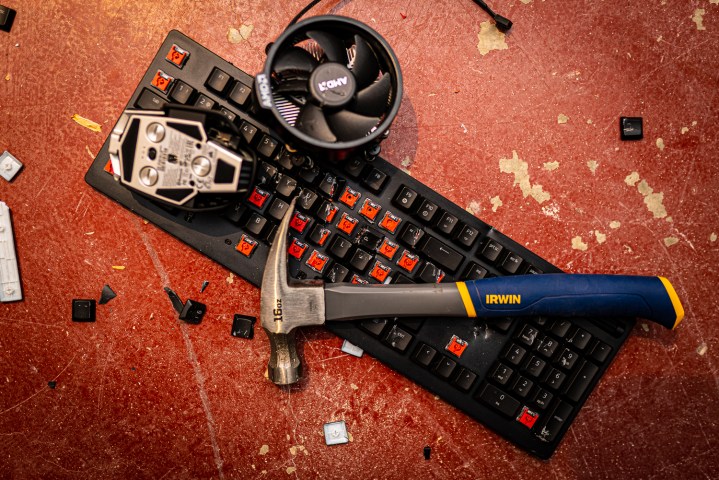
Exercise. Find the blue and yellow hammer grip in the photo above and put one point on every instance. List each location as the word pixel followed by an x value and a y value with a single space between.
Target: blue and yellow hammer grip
pixel 582 295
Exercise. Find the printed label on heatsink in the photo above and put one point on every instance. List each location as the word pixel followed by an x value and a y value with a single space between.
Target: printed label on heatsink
pixel 10 289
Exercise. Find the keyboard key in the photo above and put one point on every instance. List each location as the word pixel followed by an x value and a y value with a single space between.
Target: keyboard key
pixel 369 240
pixel 248 131
pixel 356 279
pixel 340 246
pixel 560 327
pixel 337 274
pixel 181 92
pixel 240 93
pixel 375 180
pixel 445 367
pixel 350 197
pixel 317 261
pixel 584 376
pixel 555 422
pixel 412 323
pixel 228 114
pixel 360 259
pixel 555 379
pixel 411 234
pixel 310 174
pixel 535 366
pixel 501 324
pixel 390 222
pixel 218 80
pixel 203 101
pixel 465 379
pixel 162 81
pixel 431 274
pixel 501 374
pixel 522 386
pixel 258 197
pixel 514 354
pixel 500 400
pixel 398 338
pixel 408 261
pixel 347 224
pixel 579 338
pixel 286 186
pixel 406 198
pixel 442 254
pixel 235 213
pixel 149 100
pixel 491 250
pixel 319 234
pixel 328 184
pixel 601 352
pixel 177 56
pixel 307 199
pixel 474 271
pixel 327 211
pixel 246 246
pixel 375 326
pixel 543 399
pixel 369 210
pixel 567 359
pixel 277 209
pixel 297 249
pixel 547 347
pixel 527 417
pixel 354 167
pixel 527 335
pixel 447 223
pixel 467 236
pixel 427 211
pixel 379 271
pixel 424 354
pixel 388 248
pixel 267 146
pixel 512 263
pixel 255 224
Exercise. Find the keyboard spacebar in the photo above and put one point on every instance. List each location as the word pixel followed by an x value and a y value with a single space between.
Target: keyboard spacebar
pixel 442 254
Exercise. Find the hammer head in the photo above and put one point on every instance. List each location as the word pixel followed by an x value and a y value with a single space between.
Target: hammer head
pixel 287 304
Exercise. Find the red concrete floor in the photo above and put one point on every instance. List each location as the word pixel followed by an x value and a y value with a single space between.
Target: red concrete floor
pixel 140 395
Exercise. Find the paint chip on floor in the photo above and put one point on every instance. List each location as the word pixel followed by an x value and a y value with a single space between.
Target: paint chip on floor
pixel 235 35
pixel 593 165
pixel 520 170
pixel 496 203
pixel 578 244
pixel 490 38
pixel 660 143
pixel 87 123
pixel 231 279
pixel 698 18
pixel 615 224
pixel 669 241
pixel 632 179
pixel 291 470
pixel 295 449
pixel 549 166
pixel 713 236
pixel 264 449
pixel 474 207
pixel 562 118
pixel 702 349
pixel 601 237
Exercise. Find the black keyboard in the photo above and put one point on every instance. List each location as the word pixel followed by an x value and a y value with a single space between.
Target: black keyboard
pixel 368 222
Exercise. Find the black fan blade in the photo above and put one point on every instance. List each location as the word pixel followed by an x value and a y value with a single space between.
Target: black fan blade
pixel 351 126
pixel 312 121
pixel 373 100
pixel 365 68
pixel 294 59
pixel 333 46
pixel 293 84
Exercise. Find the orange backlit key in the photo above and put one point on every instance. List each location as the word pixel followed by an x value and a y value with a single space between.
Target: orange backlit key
pixel 347 224
pixel 349 197
pixel 370 210
pixel 297 249
pixel 379 271
pixel 408 261
pixel 299 222
pixel 317 261
pixel 390 222
pixel 246 245
pixel 162 81
pixel 177 56
pixel 357 280
pixel 456 346
pixel 258 197
pixel 388 248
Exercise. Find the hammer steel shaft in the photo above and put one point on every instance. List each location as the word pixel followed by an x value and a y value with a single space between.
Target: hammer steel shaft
pixel 287 304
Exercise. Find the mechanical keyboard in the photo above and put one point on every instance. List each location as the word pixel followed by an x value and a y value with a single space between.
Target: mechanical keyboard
pixel 368 222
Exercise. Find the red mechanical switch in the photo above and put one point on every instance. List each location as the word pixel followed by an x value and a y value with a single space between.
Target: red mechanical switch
pixel 456 346
pixel 408 261
pixel 349 197
pixel 317 261
pixel 347 224
pixel 297 249
pixel 379 272
pixel 527 417
pixel 246 245
pixel 108 167
pixel 258 197
pixel 388 248
pixel 177 56
pixel 390 222
pixel 299 222
pixel 328 211
pixel 370 210
pixel 162 81
pixel 357 280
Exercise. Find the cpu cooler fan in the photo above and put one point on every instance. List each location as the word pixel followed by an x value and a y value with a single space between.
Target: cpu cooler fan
pixel 332 84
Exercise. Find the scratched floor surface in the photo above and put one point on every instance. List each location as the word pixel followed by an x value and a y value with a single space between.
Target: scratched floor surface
pixel 521 129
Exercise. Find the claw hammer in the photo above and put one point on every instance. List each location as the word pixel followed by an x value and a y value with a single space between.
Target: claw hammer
pixel 286 304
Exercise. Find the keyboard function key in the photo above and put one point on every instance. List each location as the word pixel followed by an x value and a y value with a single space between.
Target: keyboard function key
pixel 218 80
pixel 398 338
pixel 354 167
pixel 427 211
pixel 240 93
pixel 491 250
pixel 447 223
pixel 406 198
pixel 375 180
pixel 467 236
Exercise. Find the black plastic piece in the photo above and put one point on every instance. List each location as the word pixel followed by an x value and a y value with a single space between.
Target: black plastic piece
pixel 106 295
pixel 175 299
pixel 427 452
pixel 243 326
pixel 631 128
pixel 7 17
pixel 83 310
pixel 52 384
pixel 193 312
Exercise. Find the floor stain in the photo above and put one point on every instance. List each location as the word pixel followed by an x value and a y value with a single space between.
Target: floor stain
pixel 562 118
pixel 653 200
pixel 698 18
pixel 496 203
pixel 660 143
pixel 264 449
pixel 235 35
pixel 601 237
pixel 490 38
pixel 520 170
pixel 713 236
pixel 474 207
pixel 578 244
pixel 614 224
pixel 669 241
pixel 549 166
pixel 593 165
